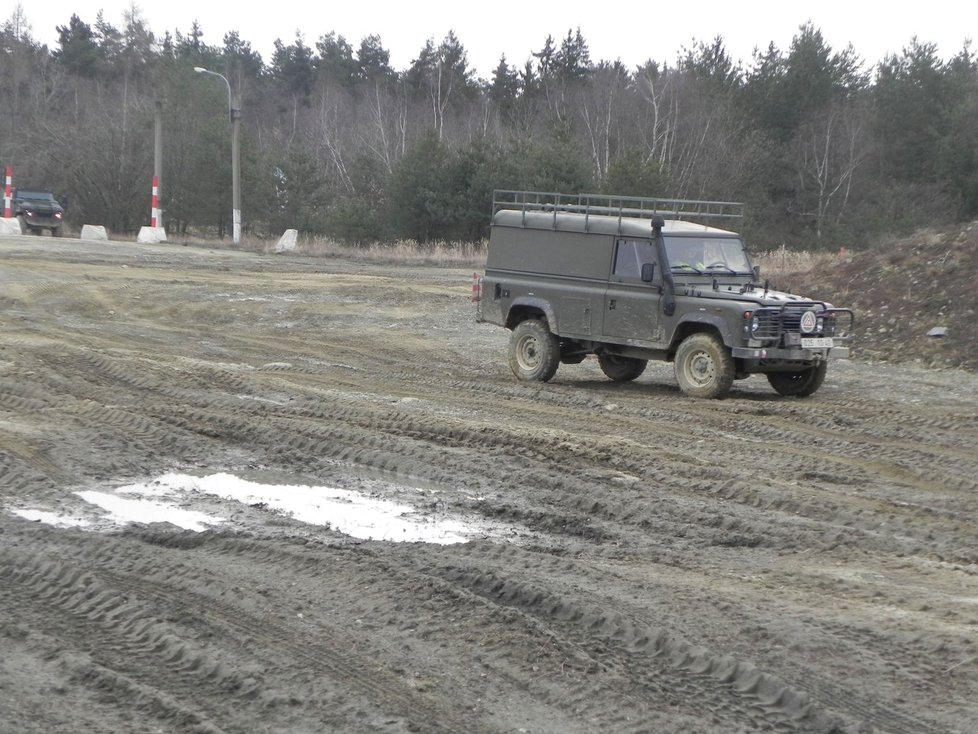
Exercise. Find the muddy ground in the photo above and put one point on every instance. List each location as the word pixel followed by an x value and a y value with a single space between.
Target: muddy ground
pixel 636 561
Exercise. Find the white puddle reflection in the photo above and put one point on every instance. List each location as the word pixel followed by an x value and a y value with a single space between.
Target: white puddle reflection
pixel 166 499
pixel 122 511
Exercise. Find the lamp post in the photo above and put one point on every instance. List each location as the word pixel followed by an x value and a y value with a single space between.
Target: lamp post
pixel 235 115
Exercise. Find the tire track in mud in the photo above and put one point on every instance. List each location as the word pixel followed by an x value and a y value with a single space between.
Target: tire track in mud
pixel 379 436
pixel 55 597
pixel 555 457
pixel 614 679
pixel 767 701
pixel 933 464
pixel 599 644
pixel 673 467
pixel 920 465
pixel 783 426
pixel 846 520
pixel 121 614
pixel 591 635
pixel 117 373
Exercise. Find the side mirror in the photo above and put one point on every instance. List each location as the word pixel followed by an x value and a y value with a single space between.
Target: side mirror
pixel 757 273
pixel 648 272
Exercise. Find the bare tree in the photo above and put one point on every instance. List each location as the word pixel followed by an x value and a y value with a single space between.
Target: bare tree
pixel 600 110
pixel 829 149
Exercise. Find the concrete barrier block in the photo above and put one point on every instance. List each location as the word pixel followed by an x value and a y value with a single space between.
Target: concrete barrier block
pixel 287 242
pixel 93 232
pixel 10 226
pixel 151 235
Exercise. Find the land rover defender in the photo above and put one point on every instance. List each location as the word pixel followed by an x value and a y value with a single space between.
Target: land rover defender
pixel 37 210
pixel 631 279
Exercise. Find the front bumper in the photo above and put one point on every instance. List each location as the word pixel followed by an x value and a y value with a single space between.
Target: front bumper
pixel 781 354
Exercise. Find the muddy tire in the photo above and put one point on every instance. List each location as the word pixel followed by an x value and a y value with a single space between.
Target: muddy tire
pixel 534 353
pixel 704 367
pixel 621 369
pixel 799 384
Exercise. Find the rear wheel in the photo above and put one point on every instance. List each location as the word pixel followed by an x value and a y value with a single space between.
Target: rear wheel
pixel 534 353
pixel 799 384
pixel 704 367
pixel 621 369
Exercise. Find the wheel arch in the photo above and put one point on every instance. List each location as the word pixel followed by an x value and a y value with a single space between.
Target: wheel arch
pixel 698 324
pixel 531 308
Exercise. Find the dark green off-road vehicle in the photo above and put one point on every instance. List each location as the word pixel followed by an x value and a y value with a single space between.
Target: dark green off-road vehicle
pixel 37 210
pixel 632 279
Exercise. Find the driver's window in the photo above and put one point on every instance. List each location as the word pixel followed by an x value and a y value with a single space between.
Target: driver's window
pixel 687 254
pixel 630 255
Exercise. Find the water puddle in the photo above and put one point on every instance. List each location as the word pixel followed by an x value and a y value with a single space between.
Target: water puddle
pixel 168 499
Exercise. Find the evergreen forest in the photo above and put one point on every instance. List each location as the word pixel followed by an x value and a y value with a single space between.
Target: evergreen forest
pixel 825 150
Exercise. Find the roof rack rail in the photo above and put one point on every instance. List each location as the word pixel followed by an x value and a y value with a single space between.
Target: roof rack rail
pixel 618 206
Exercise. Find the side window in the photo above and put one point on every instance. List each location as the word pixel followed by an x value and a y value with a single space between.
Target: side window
pixel 630 255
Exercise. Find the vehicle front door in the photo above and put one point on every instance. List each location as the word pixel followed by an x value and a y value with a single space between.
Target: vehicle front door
pixel 631 305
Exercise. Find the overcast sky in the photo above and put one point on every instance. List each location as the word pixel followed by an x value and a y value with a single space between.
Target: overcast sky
pixel 630 31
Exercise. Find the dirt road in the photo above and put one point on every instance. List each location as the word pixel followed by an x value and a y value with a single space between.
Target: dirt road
pixel 633 560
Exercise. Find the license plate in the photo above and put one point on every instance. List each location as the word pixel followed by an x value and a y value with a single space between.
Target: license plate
pixel 818 342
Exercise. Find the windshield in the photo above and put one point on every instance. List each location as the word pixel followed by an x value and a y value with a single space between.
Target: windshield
pixel 707 255
pixel 35 195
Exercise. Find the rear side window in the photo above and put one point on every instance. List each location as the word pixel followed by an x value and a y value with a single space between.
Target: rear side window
pixel 630 255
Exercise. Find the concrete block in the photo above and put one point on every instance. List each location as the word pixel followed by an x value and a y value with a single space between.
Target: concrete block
pixel 10 226
pixel 151 235
pixel 287 241
pixel 93 232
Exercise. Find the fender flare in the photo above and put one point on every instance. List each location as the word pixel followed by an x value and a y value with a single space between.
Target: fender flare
pixel 534 304
pixel 700 319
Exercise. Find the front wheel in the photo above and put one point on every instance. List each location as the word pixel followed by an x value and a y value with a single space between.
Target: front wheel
pixel 621 369
pixel 799 384
pixel 704 367
pixel 534 352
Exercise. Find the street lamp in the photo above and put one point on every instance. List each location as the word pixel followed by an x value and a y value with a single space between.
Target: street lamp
pixel 235 115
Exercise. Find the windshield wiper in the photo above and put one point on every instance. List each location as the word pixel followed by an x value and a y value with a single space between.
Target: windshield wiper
pixel 685 266
pixel 717 266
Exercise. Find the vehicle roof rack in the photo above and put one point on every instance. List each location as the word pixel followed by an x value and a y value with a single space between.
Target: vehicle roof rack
pixel 639 207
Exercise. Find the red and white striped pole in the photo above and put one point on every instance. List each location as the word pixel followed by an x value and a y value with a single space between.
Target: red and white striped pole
pixel 7 193
pixel 154 219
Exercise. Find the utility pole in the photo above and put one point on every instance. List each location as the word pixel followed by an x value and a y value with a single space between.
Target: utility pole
pixel 235 175
pixel 235 114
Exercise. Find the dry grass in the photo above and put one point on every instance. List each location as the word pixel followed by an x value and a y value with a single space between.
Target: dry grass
pixel 436 254
pixel 405 252
pixel 775 264
pixel 782 262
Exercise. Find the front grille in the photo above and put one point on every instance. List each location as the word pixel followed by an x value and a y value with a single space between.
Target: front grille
pixel 771 323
